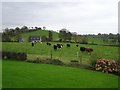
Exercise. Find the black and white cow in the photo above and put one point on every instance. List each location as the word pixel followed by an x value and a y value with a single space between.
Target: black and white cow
pixel 59 46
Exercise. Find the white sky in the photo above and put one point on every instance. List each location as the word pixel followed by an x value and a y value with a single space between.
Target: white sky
pixel 81 16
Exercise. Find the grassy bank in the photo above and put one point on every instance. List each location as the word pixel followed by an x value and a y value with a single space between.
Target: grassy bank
pixel 28 75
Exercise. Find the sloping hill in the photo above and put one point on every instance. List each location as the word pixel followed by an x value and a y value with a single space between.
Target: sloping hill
pixel 39 33
pixel 29 75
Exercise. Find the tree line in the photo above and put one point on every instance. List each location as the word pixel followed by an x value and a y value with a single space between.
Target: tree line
pixel 63 34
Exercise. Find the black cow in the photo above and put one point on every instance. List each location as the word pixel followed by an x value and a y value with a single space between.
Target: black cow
pixel 60 45
pixel 48 43
pixel 55 47
pixel 82 49
pixel 32 44
pixel 68 45
pixel 77 45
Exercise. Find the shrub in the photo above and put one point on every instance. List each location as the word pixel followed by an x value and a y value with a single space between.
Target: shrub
pixel 47 61
pixel 14 55
pixel 93 57
pixel 56 62
pixel 36 61
pixel 74 63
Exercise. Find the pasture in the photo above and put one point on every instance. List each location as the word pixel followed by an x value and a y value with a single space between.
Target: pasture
pixel 65 54
pixel 38 33
pixel 18 74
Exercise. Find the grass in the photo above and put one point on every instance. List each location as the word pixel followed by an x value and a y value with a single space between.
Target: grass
pixel 0 73
pixel 39 33
pixel 65 54
pixel 29 75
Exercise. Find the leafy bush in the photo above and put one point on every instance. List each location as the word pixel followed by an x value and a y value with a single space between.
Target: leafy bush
pixel 47 61
pixel 74 63
pixel 93 57
pixel 56 62
pixel 84 40
pixel 14 55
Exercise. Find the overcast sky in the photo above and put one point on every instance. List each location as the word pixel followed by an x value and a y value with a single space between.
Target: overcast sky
pixel 81 16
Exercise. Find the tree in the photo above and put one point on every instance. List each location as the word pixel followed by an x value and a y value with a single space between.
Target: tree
pixel 44 28
pixel 75 37
pixel 11 32
pixel 99 33
pixel 50 36
pixel 17 30
pixel 6 30
pixel 36 28
pixel 63 34
pixel 84 40
pixel 44 38
pixel 17 37
pixel 5 37
pixel 69 35
pixel 24 29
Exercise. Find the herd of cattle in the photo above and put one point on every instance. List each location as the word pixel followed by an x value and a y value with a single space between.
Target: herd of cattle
pixel 59 46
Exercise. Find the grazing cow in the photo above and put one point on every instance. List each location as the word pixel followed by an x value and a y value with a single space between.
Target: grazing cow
pixel 60 45
pixel 68 45
pixel 82 49
pixel 77 45
pixel 32 44
pixel 55 47
pixel 88 49
pixel 48 43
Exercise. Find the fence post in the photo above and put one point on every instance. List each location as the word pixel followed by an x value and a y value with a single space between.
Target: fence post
pixel 51 55
pixel 80 58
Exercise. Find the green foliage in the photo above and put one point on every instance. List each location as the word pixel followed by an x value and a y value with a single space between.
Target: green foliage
pixel 6 37
pixel 65 35
pixel 84 40
pixel 50 36
pixel 93 58
pixel 14 55
pixel 17 37
pixel 76 38
pixel 44 38
pixel 46 61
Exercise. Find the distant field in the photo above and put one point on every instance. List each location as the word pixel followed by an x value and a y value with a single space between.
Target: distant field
pixel 95 40
pixel 39 33
pixel 65 54
pixel 28 75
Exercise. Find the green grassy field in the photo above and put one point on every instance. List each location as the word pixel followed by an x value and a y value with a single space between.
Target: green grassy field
pixel 39 33
pixel 28 75
pixel 65 54
pixel 0 73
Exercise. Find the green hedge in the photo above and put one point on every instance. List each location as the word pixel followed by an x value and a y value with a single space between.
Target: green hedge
pixel 14 55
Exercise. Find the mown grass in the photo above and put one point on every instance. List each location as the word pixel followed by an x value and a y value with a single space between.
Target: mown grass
pixel 65 54
pixel 0 74
pixel 28 75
